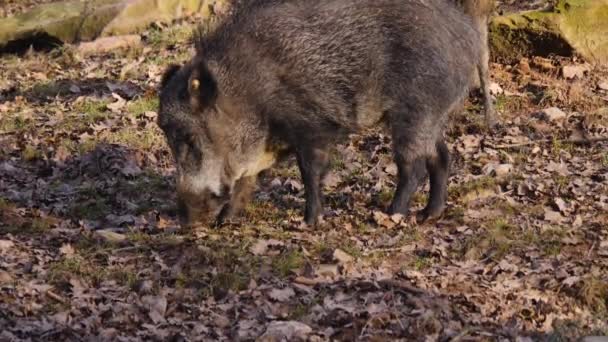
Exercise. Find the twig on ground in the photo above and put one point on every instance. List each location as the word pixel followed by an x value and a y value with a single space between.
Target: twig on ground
pixel 544 141
pixel 392 283
pixel 382 250
pixel 55 296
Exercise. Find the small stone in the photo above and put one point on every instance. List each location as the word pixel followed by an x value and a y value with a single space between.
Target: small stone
pixel 574 71
pixel 553 114
pixel 603 85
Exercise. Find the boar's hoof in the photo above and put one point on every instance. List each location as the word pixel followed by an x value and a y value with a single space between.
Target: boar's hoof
pixel 491 121
pixel 396 209
pixel 225 216
pixel 313 221
pixel 429 214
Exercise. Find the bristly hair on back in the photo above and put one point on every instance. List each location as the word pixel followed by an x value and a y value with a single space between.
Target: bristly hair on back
pixel 203 36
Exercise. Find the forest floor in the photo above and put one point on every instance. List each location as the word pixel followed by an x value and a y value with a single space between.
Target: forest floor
pixel 90 248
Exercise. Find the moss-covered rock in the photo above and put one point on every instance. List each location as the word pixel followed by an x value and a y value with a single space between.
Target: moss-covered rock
pixel 64 21
pixel 81 20
pixel 571 27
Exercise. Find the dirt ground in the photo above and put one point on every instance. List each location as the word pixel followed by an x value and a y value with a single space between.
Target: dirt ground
pixel 90 248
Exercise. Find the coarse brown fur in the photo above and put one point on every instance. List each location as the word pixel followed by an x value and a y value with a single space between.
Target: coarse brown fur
pixel 296 76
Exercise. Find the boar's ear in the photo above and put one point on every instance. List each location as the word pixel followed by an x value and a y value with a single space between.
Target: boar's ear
pixel 168 74
pixel 202 89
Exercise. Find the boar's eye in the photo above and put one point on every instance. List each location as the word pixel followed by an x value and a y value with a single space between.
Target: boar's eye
pixel 202 88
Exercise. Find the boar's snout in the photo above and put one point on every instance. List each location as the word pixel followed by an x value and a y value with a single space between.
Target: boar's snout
pixel 199 208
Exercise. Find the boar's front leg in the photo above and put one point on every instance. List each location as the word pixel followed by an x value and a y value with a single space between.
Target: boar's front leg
pixel 240 196
pixel 313 163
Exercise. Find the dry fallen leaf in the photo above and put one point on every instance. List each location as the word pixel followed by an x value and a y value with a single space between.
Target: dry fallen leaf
pixel 553 216
pixel 67 250
pixel 285 331
pixel 5 245
pixel 383 219
pixel 5 277
pixel 111 236
pixel 156 306
pixel 281 295
pixel 117 105
pixel 261 246
pixel 331 180
pixel 342 257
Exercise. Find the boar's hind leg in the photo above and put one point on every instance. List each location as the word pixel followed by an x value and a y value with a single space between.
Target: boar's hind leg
pixel 484 78
pixel 240 195
pixel 410 169
pixel 438 168
pixel 313 163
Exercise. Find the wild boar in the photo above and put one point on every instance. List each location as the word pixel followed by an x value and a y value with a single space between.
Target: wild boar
pixel 281 77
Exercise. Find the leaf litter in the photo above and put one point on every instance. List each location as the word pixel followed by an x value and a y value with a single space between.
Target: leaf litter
pixel 89 245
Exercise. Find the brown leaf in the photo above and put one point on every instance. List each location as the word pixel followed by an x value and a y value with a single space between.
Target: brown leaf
pixel 5 245
pixel 342 257
pixel 5 277
pixel 117 105
pixel 261 246
pixel 383 219
pixel 571 280
pixel 156 306
pixel 553 216
pixel 293 185
pixel 603 248
pixel 331 180
pixel 560 168
pixel 111 236
pixel 327 270
pixel 391 169
pixel 281 295
pixel 560 204
pixel 67 250
pixel 285 331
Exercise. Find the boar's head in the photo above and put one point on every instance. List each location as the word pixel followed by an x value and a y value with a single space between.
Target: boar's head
pixel 215 140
